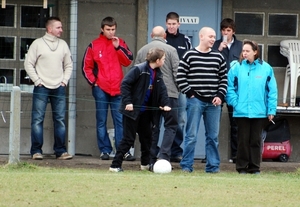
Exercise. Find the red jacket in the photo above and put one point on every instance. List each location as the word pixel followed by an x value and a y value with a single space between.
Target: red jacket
pixel 102 64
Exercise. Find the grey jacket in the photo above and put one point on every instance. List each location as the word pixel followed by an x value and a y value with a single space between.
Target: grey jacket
pixel 169 68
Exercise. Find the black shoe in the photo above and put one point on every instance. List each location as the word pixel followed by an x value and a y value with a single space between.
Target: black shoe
pixel 175 159
pixel 151 167
pixel 104 156
pixel 129 157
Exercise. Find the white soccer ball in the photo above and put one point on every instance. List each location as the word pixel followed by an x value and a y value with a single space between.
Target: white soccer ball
pixel 162 166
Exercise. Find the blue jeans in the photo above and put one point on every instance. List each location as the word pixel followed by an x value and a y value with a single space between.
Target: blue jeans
pixel 41 96
pixel 103 100
pixel 176 150
pixel 211 118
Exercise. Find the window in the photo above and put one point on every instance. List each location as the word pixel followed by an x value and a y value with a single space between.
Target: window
pixel 7 45
pixel 25 43
pixel 7 16
pixel 283 24
pixel 34 16
pixel 275 59
pixel 249 23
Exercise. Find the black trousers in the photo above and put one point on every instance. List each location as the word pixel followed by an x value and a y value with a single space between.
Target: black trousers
pixel 170 124
pixel 233 132
pixel 142 126
pixel 249 144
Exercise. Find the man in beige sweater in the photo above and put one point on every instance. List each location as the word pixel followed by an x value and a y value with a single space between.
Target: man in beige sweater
pixel 49 65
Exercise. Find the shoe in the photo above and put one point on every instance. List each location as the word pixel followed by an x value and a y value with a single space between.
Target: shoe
pixel 37 156
pixel 242 172
pixel 115 169
pixel 104 156
pixel 256 173
pixel 145 167
pixel 64 156
pixel 214 172
pixel 129 157
pixel 176 159
pixel 151 167
pixel 186 171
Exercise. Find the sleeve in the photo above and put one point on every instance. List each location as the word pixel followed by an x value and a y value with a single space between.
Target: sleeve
pixel 272 94
pixel 30 62
pixel 124 54
pixel 181 77
pixel 88 65
pixel 139 57
pixel 126 86
pixel 188 42
pixel 67 65
pixel 174 64
pixel 232 96
pixel 223 79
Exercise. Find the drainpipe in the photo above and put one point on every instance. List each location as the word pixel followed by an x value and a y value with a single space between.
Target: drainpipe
pixel 72 82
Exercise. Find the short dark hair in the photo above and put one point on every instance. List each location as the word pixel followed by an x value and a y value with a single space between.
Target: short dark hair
pixel 172 15
pixel 227 22
pixel 154 54
pixel 50 20
pixel 109 21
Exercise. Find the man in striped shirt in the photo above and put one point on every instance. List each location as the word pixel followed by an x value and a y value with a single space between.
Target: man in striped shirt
pixel 202 76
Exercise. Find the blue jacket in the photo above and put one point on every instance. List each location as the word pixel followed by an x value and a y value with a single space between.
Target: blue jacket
pixel 252 89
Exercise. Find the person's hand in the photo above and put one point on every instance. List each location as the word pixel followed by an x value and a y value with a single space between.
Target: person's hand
pixel 271 117
pixel 115 41
pixel 165 108
pixel 129 107
pixel 216 101
pixel 222 46
pixel 63 84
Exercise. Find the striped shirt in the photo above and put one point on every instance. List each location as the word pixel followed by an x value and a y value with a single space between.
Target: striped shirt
pixel 203 75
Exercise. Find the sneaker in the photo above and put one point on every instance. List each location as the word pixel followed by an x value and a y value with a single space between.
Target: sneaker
pixel 242 172
pixel 64 156
pixel 115 169
pixel 37 156
pixel 129 157
pixel 145 167
pixel 104 156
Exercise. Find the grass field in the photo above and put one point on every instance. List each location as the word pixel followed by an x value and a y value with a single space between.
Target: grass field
pixel 29 185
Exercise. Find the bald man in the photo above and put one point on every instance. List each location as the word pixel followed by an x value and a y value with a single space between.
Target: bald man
pixel 169 70
pixel 202 76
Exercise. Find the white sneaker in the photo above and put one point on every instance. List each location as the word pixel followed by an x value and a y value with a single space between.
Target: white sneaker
pixel 144 167
pixel 115 169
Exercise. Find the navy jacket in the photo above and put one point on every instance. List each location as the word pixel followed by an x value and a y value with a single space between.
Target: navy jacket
pixel 232 54
pixel 134 87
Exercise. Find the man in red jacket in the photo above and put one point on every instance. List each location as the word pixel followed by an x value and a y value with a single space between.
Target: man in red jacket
pixel 102 68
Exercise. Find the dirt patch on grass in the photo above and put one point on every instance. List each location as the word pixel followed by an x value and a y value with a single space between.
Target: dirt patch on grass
pixel 89 162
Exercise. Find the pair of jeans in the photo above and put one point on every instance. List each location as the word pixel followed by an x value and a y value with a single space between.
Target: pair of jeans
pixel 57 98
pixel 142 126
pixel 176 150
pixel 211 117
pixel 103 100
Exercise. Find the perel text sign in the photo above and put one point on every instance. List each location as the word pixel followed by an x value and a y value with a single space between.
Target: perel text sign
pixel 188 20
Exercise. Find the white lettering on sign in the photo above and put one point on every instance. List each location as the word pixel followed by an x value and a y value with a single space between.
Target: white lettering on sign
pixel 188 20
pixel 275 148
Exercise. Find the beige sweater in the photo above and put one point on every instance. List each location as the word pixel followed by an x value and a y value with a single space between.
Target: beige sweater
pixel 49 62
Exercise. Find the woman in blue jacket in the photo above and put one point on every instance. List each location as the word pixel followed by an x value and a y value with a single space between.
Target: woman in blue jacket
pixel 252 91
